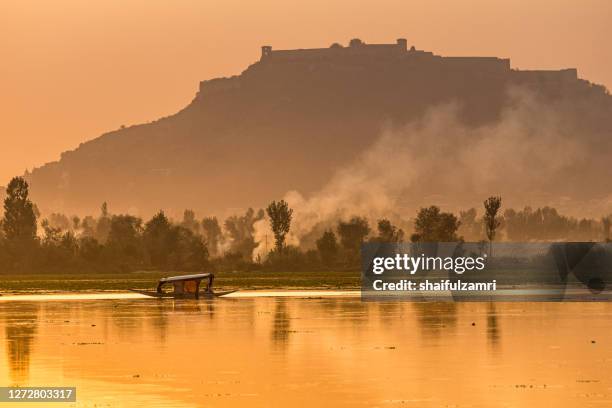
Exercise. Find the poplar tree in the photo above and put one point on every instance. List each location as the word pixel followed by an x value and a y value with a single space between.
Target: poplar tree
pixel 491 220
pixel 280 221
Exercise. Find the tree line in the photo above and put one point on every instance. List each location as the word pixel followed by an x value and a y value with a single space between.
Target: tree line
pixel 120 242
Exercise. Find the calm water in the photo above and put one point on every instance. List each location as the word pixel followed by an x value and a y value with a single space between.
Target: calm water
pixel 328 351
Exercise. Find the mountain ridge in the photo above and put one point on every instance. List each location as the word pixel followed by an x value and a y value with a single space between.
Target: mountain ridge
pixel 289 122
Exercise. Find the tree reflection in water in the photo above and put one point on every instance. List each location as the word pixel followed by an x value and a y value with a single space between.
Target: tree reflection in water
pixel 281 324
pixel 493 333
pixel 20 333
pixel 435 317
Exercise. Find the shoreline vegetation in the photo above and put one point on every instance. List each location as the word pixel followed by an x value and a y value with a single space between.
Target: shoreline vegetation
pixel 36 283
pixel 111 251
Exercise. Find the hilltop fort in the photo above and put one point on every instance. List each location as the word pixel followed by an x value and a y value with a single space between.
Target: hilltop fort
pixel 396 58
pixel 358 50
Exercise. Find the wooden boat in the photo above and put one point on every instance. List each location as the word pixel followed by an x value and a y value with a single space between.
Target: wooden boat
pixel 185 287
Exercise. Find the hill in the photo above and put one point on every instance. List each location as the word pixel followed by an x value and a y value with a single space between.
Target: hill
pixel 292 119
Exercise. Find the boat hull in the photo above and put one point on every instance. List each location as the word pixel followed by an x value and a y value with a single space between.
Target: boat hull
pixel 201 295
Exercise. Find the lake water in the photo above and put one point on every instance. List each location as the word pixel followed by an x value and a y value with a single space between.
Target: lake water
pixel 320 351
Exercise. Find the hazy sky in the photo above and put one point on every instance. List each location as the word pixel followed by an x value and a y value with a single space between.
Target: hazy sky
pixel 71 70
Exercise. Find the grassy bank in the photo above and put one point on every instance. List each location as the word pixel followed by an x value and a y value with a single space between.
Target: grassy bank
pixel 31 283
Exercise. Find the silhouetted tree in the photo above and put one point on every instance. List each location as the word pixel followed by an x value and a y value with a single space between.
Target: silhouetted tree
pixel 328 248
pixel 190 222
pixel 59 249
pixel 352 234
pixel 291 259
pixel 491 220
pixel 103 225
pixel 212 233
pixel 470 227
pixel 432 225
pixel 186 250
pixel 52 235
pixel 517 224
pixel 4 256
pixel 19 224
pixel 388 232
pixel 156 237
pixel 605 223
pixel 88 227
pixel 76 223
pixel 124 240
pixel 546 224
pixel 90 250
pixel 241 230
pixel 59 221
pixel 280 221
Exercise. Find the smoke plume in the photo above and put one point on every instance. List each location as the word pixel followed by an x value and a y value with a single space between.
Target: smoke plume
pixel 536 153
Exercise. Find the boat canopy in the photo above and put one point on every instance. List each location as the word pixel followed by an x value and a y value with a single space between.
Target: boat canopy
pixel 185 277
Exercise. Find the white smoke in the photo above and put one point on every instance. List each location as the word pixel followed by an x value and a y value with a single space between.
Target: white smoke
pixel 529 157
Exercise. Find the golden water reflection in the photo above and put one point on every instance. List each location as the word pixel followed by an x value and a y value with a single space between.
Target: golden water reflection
pixel 19 334
pixel 311 352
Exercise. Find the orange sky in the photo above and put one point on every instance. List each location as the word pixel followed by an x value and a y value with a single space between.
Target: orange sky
pixel 72 69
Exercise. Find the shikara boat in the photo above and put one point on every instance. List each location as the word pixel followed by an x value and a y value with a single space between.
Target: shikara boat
pixel 185 287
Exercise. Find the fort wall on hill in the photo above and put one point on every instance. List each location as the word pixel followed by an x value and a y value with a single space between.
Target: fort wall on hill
pixel 397 55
